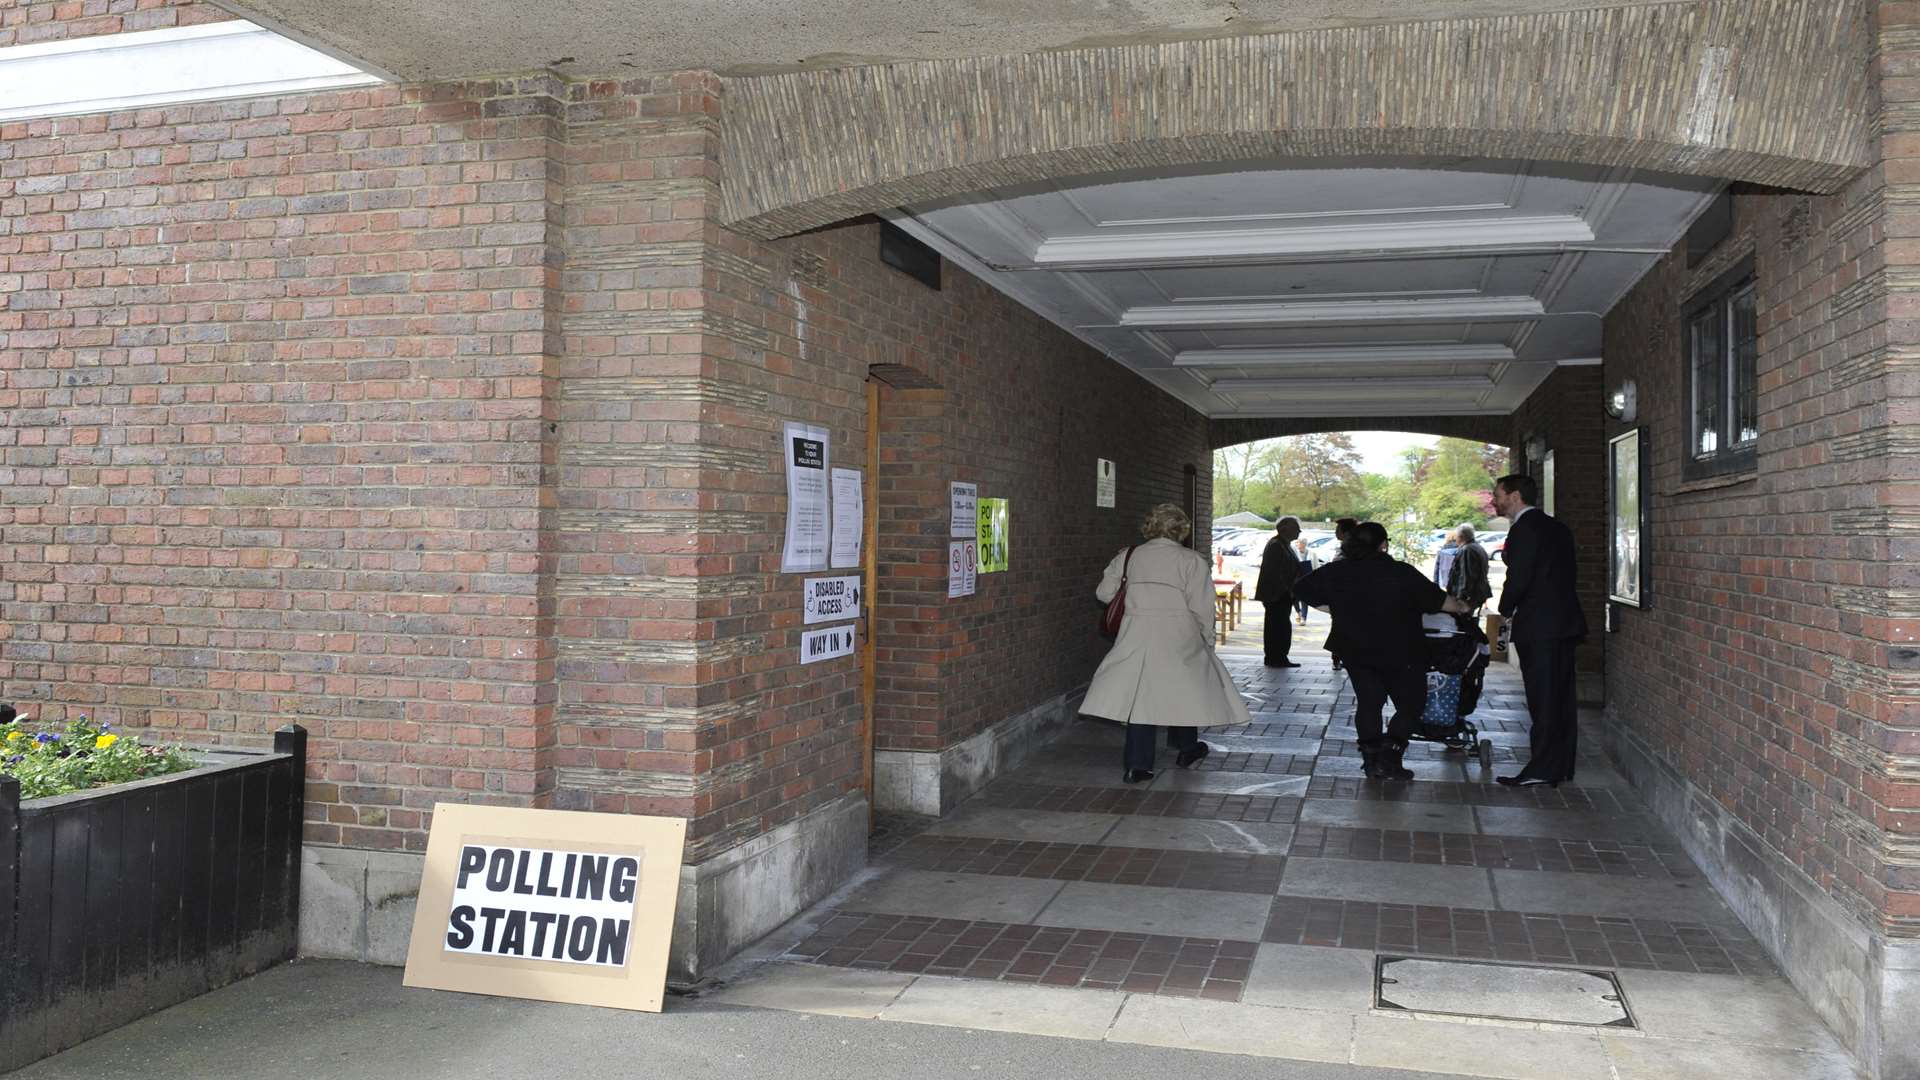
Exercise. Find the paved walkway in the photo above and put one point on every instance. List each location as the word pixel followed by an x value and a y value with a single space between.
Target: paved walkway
pixel 1244 906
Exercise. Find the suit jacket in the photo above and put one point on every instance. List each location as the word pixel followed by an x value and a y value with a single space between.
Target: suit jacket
pixel 1279 568
pixel 1539 597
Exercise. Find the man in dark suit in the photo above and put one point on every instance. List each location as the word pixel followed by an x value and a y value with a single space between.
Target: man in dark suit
pixel 1279 569
pixel 1540 603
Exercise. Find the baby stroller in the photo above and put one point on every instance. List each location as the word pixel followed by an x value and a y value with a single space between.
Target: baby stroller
pixel 1457 659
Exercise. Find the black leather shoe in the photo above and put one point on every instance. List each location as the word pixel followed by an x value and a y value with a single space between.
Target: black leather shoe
pixel 1526 781
pixel 1191 754
pixel 1390 765
pixel 1137 776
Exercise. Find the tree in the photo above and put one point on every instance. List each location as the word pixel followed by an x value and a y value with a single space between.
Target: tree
pixel 1317 474
pixel 1454 482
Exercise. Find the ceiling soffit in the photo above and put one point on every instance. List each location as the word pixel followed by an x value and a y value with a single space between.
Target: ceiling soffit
pixel 1363 288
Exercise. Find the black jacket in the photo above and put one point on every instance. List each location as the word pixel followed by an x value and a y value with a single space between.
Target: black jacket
pixel 1280 567
pixel 1467 577
pixel 1377 602
pixel 1539 596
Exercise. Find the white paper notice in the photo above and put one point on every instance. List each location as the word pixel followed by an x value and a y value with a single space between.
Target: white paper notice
pixel 849 521
pixel 805 451
pixel 962 573
pixel 1103 485
pixel 966 510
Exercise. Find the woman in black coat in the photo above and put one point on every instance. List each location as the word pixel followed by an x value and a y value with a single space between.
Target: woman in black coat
pixel 1377 602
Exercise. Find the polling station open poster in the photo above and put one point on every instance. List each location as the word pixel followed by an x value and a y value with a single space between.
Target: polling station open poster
pixel 552 905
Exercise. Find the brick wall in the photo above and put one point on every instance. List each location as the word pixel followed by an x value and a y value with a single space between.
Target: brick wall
pixel 270 434
pixel 26 22
pixel 1014 405
pixel 1762 670
pixel 1566 412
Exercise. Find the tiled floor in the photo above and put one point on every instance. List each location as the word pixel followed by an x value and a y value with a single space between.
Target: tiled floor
pixel 1268 878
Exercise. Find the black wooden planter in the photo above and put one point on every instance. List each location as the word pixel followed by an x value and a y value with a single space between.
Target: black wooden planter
pixel 127 899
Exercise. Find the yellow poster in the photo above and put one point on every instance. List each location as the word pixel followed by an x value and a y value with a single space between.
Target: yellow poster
pixel 993 535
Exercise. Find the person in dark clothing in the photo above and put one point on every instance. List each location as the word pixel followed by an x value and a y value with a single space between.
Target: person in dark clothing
pixel 1377 602
pixel 1541 603
pixel 1467 576
pixel 1342 529
pixel 1279 569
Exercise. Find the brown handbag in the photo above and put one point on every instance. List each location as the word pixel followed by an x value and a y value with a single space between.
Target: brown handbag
pixel 1117 607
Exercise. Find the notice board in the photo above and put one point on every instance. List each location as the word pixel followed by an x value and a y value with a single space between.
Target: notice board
pixel 553 905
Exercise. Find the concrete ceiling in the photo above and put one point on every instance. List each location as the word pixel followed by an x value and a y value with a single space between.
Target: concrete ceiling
pixel 1355 288
pixel 444 39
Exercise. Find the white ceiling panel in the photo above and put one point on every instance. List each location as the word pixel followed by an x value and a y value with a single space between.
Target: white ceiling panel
pixel 1368 288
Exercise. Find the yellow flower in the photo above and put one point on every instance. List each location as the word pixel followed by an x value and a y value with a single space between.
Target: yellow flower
pixel 105 741
pixel 12 735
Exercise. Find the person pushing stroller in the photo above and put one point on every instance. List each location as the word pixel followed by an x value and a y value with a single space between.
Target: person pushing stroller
pixel 1377 603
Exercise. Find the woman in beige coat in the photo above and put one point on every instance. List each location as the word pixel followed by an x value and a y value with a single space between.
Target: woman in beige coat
pixel 1161 671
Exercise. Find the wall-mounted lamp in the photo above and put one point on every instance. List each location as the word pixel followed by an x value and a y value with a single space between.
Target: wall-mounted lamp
pixel 1623 401
pixel 1536 447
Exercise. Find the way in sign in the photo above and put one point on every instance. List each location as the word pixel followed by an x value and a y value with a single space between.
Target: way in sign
pixel 826 644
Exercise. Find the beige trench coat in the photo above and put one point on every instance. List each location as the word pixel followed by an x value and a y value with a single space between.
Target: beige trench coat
pixel 1162 670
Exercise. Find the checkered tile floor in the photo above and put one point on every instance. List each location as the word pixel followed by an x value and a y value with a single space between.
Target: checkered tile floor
pixel 1274 838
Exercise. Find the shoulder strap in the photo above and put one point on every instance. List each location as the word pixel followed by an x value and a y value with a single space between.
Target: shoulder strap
pixel 1126 562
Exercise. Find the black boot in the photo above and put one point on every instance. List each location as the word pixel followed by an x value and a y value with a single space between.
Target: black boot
pixel 1191 755
pixel 1391 767
pixel 1371 756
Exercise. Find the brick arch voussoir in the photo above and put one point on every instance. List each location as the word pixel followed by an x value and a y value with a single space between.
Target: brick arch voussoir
pixel 1774 92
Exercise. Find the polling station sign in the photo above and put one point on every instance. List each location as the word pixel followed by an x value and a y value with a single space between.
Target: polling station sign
pixel 553 905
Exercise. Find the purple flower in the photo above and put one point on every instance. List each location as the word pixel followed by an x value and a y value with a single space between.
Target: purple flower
pixel 16 759
pixel 46 737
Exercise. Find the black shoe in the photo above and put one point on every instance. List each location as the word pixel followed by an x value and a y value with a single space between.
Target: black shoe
pixel 1281 663
pixel 1137 776
pixel 1191 754
pixel 1371 764
pixel 1526 781
pixel 1391 766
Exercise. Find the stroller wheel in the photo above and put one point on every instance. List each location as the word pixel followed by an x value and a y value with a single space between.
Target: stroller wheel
pixel 1486 753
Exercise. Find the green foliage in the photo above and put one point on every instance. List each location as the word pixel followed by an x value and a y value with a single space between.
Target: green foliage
pixel 1318 478
pixel 80 757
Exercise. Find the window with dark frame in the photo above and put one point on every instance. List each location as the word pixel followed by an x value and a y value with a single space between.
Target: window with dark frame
pixel 1723 415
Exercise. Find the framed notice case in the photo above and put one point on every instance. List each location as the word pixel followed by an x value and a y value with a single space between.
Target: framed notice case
pixel 1627 492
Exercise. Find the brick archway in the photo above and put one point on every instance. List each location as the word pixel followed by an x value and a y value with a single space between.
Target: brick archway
pixel 1745 89
pixel 1486 429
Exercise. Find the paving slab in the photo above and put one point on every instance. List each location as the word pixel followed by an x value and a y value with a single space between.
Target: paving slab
pixel 1414 817
pixel 1199 834
pixel 953 896
pixel 814 988
pixel 1225 783
pixel 1566 824
pixel 1225 1028
pixel 1676 1059
pixel 1311 977
pixel 1387 883
pixel 1508 1053
pixel 999 1006
pixel 1753 1011
pixel 1048 826
pixel 1556 893
pixel 1137 910
pixel 1429 769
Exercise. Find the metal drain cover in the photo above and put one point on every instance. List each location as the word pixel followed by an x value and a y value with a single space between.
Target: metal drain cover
pixel 1477 990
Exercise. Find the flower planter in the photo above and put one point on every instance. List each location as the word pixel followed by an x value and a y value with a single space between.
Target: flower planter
pixel 123 900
